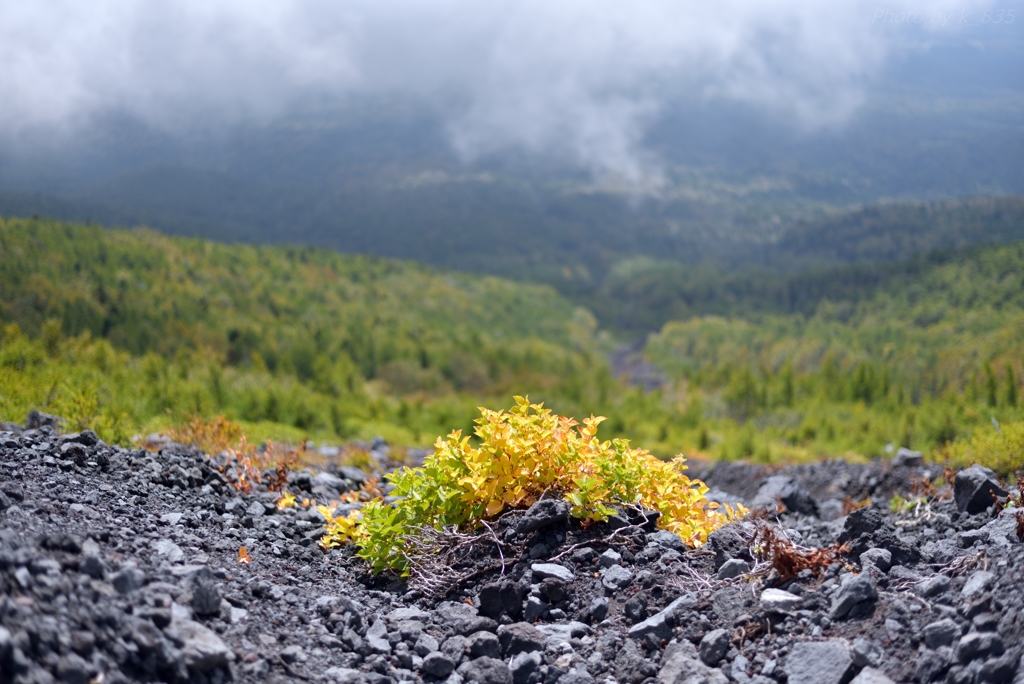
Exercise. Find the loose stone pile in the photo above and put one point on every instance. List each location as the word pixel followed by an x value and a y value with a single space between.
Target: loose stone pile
pixel 123 565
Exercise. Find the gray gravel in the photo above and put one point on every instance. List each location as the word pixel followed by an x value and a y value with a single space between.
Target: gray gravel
pixel 122 565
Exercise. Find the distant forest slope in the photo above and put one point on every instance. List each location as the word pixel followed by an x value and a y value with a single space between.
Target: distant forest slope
pixel 569 233
pixel 900 231
pixel 345 329
pixel 933 351
pixel 843 259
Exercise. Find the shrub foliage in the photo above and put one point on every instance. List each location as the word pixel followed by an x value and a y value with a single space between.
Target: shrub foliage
pixel 523 454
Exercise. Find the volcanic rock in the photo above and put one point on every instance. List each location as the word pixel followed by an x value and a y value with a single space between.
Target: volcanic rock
pixel 975 489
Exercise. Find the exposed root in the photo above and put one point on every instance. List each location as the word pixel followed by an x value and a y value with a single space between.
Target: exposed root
pixel 622 532
pixel 965 564
pixel 437 558
pixel 956 567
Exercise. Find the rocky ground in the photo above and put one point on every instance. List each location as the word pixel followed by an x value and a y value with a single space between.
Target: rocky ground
pixel 123 565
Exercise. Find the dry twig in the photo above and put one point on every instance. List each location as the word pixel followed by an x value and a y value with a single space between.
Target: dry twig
pixel 437 558
pixel 621 532
pixel 790 559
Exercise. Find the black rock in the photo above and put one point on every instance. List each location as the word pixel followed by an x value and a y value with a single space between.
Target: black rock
pixel 292 654
pixel 206 598
pixel 975 489
pixel 555 590
pixel 731 541
pixel 128 579
pixel 73 669
pixel 979 645
pixel 940 633
pixel 859 590
pixel 668 540
pixel 819 662
pixel 906 458
pixel 438 665
pixel 13 490
pixel 491 604
pixel 519 637
pixel 933 586
pixel 598 609
pixel 484 644
pixel 660 624
pixel 88 438
pixel 425 643
pixel 523 665
pixel 793 495
pixel 865 520
pixel 932 665
pixel 616 577
pixel 977 584
pixel 999 669
pixel 985 622
pixel 576 677
pixel 866 529
pixel 61 542
pixel 93 566
pixel 512 594
pixel 877 557
pixel 455 647
pixel 354 474
pixel 646 520
pixel 635 609
pixel 38 419
pixel 486 671
pixel 542 514
pixel 714 646
pixel 72 451
pixel 733 568
pixel 377 637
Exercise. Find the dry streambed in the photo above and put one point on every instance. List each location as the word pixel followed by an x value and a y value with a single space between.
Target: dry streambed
pixel 120 565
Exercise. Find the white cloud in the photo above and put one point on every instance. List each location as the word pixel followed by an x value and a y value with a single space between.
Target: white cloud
pixel 576 78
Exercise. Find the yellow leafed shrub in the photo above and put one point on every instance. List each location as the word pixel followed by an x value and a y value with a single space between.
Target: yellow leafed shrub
pixel 211 436
pixel 523 454
pixel 1000 447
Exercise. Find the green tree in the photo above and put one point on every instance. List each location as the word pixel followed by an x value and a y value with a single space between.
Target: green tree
pixel 1011 387
pixel 991 386
pixel 743 394
pixel 788 391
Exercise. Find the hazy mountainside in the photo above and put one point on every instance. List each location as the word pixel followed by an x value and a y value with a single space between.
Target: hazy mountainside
pixel 379 175
pixel 900 231
pixel 481 222
pixel 844 257
pixel 636 266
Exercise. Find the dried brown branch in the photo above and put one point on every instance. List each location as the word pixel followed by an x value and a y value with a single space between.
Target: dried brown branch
pixel 789 559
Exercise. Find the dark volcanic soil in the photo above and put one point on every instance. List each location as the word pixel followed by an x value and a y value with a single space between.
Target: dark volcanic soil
pixel 120 565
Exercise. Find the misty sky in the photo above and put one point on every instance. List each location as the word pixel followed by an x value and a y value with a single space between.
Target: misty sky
pixel 582 79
